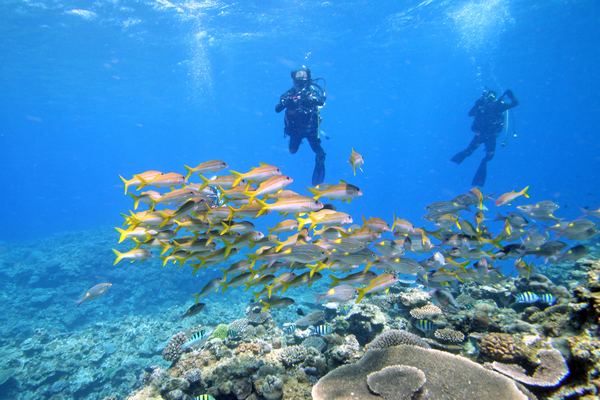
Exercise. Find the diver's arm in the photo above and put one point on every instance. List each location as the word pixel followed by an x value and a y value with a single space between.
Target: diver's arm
pixel 513 100
pixel 284 101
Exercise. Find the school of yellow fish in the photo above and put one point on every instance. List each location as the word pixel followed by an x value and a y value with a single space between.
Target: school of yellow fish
pixel 209 224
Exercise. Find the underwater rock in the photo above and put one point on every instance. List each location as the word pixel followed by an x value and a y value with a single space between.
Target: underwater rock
pixel 315 342
pixel 270 387
pixel 365 321
pixel 293 355
pixel 398 382
pixel 394 337
pixel 552 369
pixel 240 328
pixel 449 377
pixel 345 352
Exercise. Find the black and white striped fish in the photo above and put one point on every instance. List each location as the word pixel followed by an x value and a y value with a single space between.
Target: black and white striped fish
pixel 289 328
pixel 321 330
pixel 197 339
pixel 527 298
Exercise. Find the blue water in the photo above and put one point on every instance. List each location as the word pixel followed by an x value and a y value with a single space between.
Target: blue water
pixel 141 85
pixel 94 90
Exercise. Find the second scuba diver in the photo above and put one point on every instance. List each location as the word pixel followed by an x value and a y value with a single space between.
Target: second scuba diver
pixel 302 103
pixel 489 119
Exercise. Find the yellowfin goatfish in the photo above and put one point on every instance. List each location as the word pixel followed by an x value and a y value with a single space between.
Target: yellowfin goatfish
pixel 96 291
pixel 258 174
pixel 137 178
pixel 342 191
pixel 131 255
pixel 296 204
pixel 337 294
pixel 271 185
pixel 510 196
pixel 207 166
pixel 162 180
pixel 325 217
pixel 382 282
pixel 356 160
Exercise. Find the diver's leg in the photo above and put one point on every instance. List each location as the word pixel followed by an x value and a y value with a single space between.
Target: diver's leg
pixel 460 156
pixel 295 140
pixel 319 171
pixel 490 150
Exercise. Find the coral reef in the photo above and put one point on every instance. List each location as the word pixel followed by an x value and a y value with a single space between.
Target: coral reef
pixel 365 321
pixel 350 381
pixel 428 311
pixel 173 350
pixel 449 335
pixel 394 337
pixel 398 382
pixel 552 369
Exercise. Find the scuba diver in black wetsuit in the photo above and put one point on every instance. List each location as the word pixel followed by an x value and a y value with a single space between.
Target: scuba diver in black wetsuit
pixel 489 114
pixel 302 119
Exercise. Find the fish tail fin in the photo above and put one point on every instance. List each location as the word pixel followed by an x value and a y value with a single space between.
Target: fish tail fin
pixel 361 293
pixel 228 247
pixel 315 192
pixel 280 245
pixel 226 228
pixel 136 200
pixel 189 170
pixel 525 192
pixel 265 305
pixel 205 181
pixel 123 234
pixel 269 290
pixel 238 177
pixel 334 281
pixel 165 248
pixel 302 222
pixel 126 183
pixel 143 182
pixel 264 209
pixel 119 256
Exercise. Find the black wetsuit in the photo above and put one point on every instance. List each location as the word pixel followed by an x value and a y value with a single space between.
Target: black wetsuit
pixel 302 121
pixel 488 123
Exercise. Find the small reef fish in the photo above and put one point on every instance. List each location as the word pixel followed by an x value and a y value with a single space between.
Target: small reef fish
pixel 338 294
pixel 287 225
pixel 276 302
pixel 163 180
pixel 204 397
pixel 137 178
pixel 94 292
pixel 510 196
pixel 257 174
pixel 547 298
pixel 527 298
pixel 357 277
pixel 213 284
pixel 296 204
pixel 271 185
pixel 542 211
pixel 342 191
pixel 424 325
pixel 197 339
pixel 324 217
pixel 289 328
pixel 444 298
pixel 381 283
pixel 321 330
pixel 204 167
pixel 193 310
pixel 131 255
pixel 356 160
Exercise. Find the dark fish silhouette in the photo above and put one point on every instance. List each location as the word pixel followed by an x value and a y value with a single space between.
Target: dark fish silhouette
pixel 193 310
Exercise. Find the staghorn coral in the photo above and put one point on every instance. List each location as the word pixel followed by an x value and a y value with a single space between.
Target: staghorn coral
pixel 173 350
pixel 449 335
pixel 440 369
pixel 428 311
pixel 552 369
pixel 398 382
pixel 394 337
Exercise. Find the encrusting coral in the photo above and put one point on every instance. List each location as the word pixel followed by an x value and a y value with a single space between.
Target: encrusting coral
pixel 395 337
pixel 398 382
pixel 552 369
